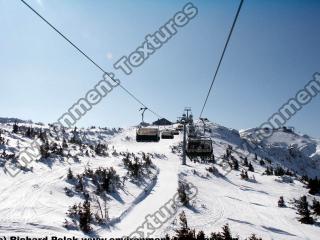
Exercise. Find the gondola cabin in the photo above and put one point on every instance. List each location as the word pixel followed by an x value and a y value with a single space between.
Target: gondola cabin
pixel 148 135
pixel 199 147
pixel 167 134
pixel 179 127
pixel 175 132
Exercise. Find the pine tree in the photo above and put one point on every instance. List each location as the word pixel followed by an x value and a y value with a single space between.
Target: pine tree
pixel 64 143
pixel 44 150
pixel 279 171
pixel 314 186
pixel 281 202
pixel 182 192
pixel 85 217
pixel 315 207
pixel 250 167
pixel 262 163
pixel 269 171
pixel 201 236
pixel 235 164
pixel 244 175
pixel 245 162
pixel 79 187
pixel 184 231
pixel 226 232
pixel 70 175
pixel 15 128
pixel 303 210
pixel 254 237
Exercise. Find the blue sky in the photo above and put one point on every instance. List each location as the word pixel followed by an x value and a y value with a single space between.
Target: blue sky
pixel 273 52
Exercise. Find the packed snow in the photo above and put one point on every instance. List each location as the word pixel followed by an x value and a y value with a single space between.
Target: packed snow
pixel 34 203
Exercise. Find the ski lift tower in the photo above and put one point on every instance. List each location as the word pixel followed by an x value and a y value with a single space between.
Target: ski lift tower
pixel 142 114
pixel 187 109
pixel 184 121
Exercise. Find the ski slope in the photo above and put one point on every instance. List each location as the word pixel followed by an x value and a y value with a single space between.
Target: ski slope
pixel 34 203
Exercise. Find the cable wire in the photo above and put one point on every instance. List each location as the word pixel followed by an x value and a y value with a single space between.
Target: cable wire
pixel 88 58
pixel 222 55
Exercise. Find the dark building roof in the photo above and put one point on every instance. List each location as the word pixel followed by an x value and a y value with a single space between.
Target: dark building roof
pixel 162 122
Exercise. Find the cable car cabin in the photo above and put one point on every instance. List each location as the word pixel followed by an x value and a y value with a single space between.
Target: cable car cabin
pixel 199 148
pixel 167 135
pixel 147 135
pixel 179 127
pixel 175 132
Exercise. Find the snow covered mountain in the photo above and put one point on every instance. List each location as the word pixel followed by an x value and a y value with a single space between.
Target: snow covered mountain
pixel 126 181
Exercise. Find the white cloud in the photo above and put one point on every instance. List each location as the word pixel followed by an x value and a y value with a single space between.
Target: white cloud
pixel 109 56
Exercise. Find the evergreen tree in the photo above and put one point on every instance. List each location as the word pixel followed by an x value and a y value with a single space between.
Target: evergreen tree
pixel 201 236
pixel 250 167
pixel 235 164
pixel 70 175
pixel 254 237
pixel 79 187
pixel 184 232
pixel 281 202
pixel 64 143
pixel 216 236
pixel 85 217
pixel 269 171
pixel 15 128
pixel 279 171
pixel 182 192
pixel 44 150
pixel 314 186
pixel 244 175
pixel 315 207
pixel 245 162
pixel 226 233
pixel 303 210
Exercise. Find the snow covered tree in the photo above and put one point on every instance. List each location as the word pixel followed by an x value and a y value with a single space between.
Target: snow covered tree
pixel 44 150
pixel 254 237
pixel 315 207
pixel 303 210
pixel 75 137
pixel 64 143
pixel 183 193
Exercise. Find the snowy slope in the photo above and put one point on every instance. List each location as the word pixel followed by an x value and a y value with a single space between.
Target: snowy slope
pixel 34 202
pixel 299 152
